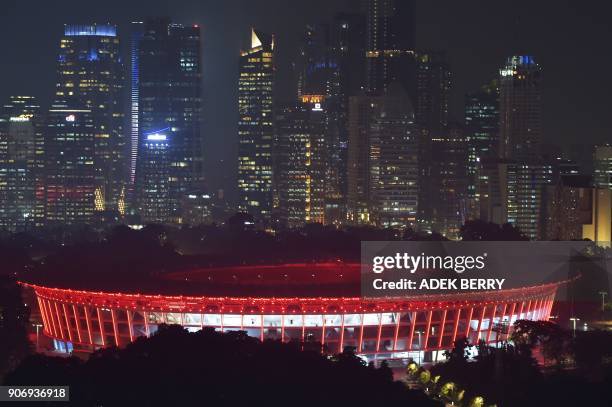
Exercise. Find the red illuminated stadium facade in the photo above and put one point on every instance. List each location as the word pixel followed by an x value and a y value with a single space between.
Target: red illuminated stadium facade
pixel 390 328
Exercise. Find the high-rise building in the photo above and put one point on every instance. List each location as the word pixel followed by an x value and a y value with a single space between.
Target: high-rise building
pixel 520 105
pixel 383 160
pixel 525 192
pixel 90 74
pixel 170 103
pixel 433 84
pixel 154 184
pixel 256 127
pixel 568 207
pixel 599 230
pixel 602 166
pixel 390 45
pixel 482 136
pixel 137 30
pixel 21 149
pixel 301 158
pixel 393 161
pixel 449 181
pixel 70 182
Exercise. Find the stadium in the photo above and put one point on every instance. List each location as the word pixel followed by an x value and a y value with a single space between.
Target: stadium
pixel 316 302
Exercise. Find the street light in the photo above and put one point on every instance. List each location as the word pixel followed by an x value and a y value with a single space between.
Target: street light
pixel 37 326
pixel 603 300
pixel 574 320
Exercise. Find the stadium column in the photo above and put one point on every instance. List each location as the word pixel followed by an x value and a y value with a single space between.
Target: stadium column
pixel 397 327
pixel 428 328
pixel 67 321
pixel 77 322
pixel 88 322
pixel 491 322
pixel 457 317
pixel 469 323
pixel 101 326
pixel 412 326
pixel 115 328
pixel 442 328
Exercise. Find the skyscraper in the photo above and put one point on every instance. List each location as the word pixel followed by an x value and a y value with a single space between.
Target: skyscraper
pixel 300 152
pixel 170 103
pixel 70 172
pixel 393 160
pixel 449 181
pixel 383 160
pixel 520 104
pixel 20 164
pixel 154 184
pixel 137 30
pixel 256 126
pixel 390 45
pixel 602 166
pixel 525 192
pixel 433 85
pixel 91 76
pixel 482 136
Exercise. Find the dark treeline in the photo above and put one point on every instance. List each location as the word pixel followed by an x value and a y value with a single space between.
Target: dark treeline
pixel 177 368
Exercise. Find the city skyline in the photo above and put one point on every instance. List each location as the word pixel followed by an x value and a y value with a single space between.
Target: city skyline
pixel 433 28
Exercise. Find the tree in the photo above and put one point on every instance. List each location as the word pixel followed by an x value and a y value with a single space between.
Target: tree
pixel 479 230
pixel 14 317
pixel 174 367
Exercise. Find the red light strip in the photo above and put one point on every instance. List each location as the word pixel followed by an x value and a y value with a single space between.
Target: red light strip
pixel 482 314
pixel 115 327
pixel 88 322
pixel 67 322
pixel 442 329
pixel 77 322
pixel 429 314
pixel 491 321
pixel 59 320
pixel 101 326
pixel 457 317
pixel 397 327
pixel 51 317
pixel 43 316
pixel 130 327
pixel 469 323
pixel 412 326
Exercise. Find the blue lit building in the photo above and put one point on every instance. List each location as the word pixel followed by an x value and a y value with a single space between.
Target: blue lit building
pixel 137 32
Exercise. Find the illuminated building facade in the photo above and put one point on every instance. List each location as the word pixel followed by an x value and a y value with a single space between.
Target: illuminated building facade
pixel 599 229
pixel 421 327
pixel 21 149
pixel 482 136
pixel 383 160
pixel 602 167
pixel 390 45
pixel 154 191
pixel 433 85
pixel 525 192
pixel 301 156
pixel 520 104
pixel 137 29
pixel 70 172
pixel 568 207
pixel 449 180
pixel 169 104
pixel 91 72
pixel 393 161
pixel 256 127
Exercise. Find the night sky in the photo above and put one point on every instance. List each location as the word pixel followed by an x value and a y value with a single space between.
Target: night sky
pixel 571 40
